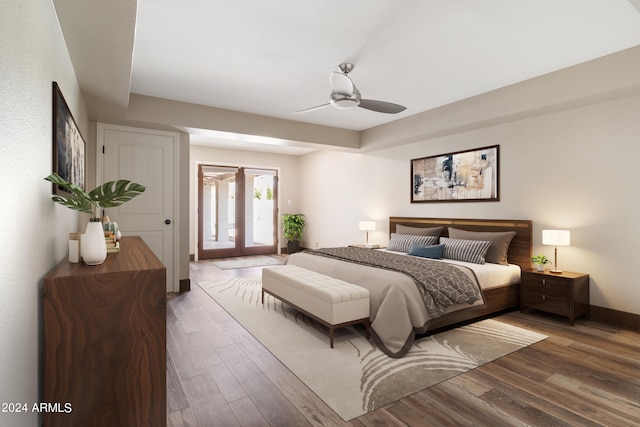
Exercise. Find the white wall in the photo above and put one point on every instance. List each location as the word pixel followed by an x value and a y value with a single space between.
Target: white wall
pixel 575 169
pixel 338 190
pixel 287 184
pixel 34 230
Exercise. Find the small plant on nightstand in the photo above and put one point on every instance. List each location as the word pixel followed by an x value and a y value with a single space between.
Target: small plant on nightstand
pixel 540 261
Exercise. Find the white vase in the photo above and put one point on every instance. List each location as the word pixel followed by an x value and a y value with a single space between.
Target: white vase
pixel 93 245
pixel 540 267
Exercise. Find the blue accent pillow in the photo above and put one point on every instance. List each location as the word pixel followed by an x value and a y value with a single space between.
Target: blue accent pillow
pixel 433 252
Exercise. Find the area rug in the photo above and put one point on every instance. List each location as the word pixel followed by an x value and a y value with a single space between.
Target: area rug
pixel 248 261
pixel 355 377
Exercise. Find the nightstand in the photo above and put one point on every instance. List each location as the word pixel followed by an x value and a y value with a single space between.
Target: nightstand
pixel 565 294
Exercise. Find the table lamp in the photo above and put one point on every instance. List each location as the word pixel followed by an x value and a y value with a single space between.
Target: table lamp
pixel 556 238
pixel 367 226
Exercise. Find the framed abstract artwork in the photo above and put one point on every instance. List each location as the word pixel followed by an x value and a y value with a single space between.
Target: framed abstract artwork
pixel 68 144
pixel 463 176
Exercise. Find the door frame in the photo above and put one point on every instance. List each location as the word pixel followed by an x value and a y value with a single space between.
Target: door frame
pixel 100 128
pixel 240 207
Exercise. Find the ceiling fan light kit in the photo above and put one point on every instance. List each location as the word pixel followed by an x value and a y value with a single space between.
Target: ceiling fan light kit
pixel 345 95
pixel 344 102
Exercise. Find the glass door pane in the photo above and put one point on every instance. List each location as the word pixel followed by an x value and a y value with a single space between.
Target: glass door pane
pixel 218 207
pixel 260 208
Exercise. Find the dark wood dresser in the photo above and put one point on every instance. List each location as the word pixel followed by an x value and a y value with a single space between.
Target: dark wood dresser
pixel 105 340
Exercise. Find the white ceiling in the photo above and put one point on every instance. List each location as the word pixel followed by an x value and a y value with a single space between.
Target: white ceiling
pixel 273 58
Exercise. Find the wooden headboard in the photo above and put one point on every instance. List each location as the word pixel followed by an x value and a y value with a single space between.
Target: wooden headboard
pixel 519 249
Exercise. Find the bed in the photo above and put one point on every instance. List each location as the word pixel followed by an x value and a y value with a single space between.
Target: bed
pixel 399 312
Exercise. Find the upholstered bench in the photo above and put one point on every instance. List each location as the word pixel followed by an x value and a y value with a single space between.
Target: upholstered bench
pixel 332 302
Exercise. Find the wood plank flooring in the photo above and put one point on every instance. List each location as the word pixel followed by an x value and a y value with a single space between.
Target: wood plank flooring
pixel 219 375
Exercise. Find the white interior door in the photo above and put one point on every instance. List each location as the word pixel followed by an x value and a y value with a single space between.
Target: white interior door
pixel 149 158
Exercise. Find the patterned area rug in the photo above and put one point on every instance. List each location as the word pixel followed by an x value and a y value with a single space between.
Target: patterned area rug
pixel 248 261
pixel 355 377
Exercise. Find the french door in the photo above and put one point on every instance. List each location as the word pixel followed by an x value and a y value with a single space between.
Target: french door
pixel 238 211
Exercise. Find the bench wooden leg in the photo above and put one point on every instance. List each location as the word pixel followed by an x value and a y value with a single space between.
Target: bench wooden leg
pixel 367 325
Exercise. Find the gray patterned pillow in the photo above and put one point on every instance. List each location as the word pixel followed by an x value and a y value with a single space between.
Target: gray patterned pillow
pixel 465 250
pixel 402 242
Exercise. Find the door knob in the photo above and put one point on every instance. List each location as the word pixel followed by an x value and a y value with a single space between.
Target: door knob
pixel 167 221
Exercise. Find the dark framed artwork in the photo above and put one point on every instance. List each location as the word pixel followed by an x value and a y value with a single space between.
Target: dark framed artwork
pixel 68 144
pixel 463 176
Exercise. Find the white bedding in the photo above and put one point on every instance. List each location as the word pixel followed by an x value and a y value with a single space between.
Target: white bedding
pixel 489 275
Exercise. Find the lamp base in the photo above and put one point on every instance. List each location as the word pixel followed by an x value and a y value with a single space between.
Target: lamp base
pixel 555 271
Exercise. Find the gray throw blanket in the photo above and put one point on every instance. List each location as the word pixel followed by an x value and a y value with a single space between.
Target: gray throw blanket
pixel 440 284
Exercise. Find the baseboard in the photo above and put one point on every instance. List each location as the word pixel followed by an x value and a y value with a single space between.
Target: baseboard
pixel 621 319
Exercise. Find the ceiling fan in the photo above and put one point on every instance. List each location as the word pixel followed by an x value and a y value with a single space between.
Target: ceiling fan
pixel 345 95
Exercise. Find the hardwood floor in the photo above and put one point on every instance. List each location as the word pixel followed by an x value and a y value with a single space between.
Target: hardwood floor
pixel 219 375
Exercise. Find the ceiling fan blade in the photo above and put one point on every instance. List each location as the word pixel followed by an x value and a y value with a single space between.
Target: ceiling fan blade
pixel 307 110
pixel 381 106
pixel 341 83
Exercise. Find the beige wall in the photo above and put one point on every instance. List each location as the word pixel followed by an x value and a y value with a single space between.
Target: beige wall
pixel 287 172
pixel 574 169
pixel 35 230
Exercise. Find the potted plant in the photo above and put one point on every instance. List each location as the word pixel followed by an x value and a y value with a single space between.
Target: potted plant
pixel 108 195
pixel 540 261
pixel 292 226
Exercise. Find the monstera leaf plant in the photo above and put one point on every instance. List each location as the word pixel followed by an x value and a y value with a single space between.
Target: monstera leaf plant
pixel 108 195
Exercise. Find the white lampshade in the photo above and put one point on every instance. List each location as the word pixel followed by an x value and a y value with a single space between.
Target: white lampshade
pixel 367 225
pixel 556 237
